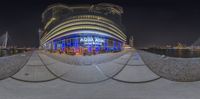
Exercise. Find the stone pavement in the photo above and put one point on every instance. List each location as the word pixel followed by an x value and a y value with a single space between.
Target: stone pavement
pixel 126 77
pixel 176 69
pixel 110 89
pixel 127 68
pixel 34 71
pixel 85 60
pixel 9 65
pixel 136 71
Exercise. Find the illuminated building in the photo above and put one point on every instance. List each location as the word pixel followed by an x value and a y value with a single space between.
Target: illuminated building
pixel 82 29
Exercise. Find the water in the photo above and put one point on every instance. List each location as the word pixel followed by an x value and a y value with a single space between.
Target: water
pixel 183 53
pixel 8 52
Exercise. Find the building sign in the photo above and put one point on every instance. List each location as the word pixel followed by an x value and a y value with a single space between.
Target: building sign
pixel 92 40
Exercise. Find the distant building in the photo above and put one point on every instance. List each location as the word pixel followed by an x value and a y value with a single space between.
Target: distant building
pixel 180 46
pixel 83 29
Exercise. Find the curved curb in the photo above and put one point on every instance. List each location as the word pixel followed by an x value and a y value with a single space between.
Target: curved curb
pixel 39 81
pixel 136 82
pixel 139 82
pixel 19 68
pixel 60 77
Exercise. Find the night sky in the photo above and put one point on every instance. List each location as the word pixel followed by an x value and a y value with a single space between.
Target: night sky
pixel 150 22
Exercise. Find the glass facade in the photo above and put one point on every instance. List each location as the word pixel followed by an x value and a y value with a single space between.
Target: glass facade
pixel 84 45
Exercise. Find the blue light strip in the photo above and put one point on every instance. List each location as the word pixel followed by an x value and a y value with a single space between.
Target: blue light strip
pixel 97 48
pixel 77 43
pixel 55 45
pixel 114 44
pixel 106 45
pixel 63 44
pixel 89 48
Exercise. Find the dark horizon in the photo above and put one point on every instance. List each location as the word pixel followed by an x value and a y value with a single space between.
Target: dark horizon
pixel 150 23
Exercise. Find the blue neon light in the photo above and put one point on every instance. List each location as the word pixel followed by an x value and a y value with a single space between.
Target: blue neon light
pixel 97 48
pixel 114 44
pixel 106 45
pixel 55 45
pixel 76 44
pixel 89 48
pixel 63 45
pixel 64 42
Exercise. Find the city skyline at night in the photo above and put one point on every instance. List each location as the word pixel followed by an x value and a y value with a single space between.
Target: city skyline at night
pixel 150 23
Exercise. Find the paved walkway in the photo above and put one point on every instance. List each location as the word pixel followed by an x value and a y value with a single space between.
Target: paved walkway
pixel 83 73
pixel 128 68
pixel 34 71
pixel 136 71
pixel 9 65
pixel 85 60
pixel 110 89
pixel 122 78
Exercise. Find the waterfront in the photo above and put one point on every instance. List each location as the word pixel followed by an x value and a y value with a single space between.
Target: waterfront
pixel 12 51
pixel 183 53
